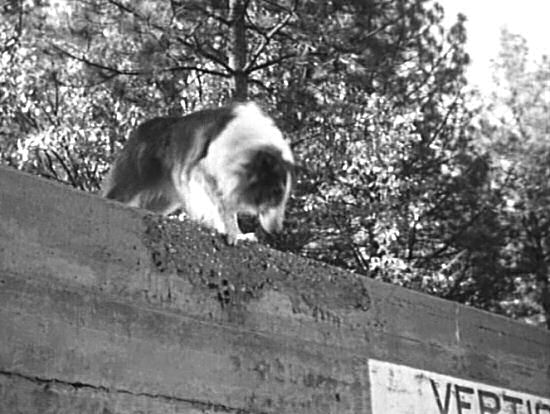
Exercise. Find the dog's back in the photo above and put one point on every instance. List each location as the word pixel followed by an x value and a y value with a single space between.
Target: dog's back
pixel 142 174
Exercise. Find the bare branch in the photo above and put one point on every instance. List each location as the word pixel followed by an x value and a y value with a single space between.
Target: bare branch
pixel 116 71
pixel 448 242
pixel 48 163
pixel 261 85
pixel 267 37
pixel 71 179
pixel 197 48
pixel 197 69
pixel 95 64
pixel 272 62
pixel 348 239
pixel 135 13
pixel 210 14
pixel 445 119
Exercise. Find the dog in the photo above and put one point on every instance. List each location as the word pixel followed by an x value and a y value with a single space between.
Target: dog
pixel 213 164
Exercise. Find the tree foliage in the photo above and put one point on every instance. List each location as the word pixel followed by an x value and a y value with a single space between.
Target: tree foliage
pixel 393 180
pixel 516 129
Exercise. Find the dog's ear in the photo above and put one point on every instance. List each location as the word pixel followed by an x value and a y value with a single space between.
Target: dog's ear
pixel 265 165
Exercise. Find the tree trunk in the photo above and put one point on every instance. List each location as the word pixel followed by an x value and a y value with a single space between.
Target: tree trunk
pixel 544 286
pixel 237 54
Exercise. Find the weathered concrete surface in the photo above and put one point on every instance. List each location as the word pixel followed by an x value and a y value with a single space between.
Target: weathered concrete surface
pixel 106 309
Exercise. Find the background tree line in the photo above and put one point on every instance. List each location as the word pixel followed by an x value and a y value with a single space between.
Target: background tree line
pixel 404 175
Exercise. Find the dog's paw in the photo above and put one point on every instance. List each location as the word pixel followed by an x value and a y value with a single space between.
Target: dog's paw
pixel 233 239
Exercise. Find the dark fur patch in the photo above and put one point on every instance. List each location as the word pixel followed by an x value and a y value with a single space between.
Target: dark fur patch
pixel 265 178
pixel 140 165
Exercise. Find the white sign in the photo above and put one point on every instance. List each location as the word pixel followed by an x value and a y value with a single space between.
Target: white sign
pixel 398 389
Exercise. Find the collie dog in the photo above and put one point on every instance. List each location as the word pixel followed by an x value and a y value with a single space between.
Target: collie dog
pixel 212 164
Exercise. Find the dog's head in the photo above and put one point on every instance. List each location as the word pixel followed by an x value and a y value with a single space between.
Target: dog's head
pixel 266 180
pixel 252 166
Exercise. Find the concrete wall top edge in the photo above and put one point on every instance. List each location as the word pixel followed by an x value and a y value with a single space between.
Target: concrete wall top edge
pixel 167 245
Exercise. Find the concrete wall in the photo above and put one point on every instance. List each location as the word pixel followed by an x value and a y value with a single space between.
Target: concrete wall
pixel 106 309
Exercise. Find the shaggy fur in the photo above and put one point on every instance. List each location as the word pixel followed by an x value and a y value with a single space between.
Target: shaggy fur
pixel 213 164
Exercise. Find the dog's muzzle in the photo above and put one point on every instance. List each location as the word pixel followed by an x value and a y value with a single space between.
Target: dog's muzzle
pixel 271 219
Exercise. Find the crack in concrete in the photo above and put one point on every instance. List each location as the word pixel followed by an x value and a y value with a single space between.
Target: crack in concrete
pixel 102 389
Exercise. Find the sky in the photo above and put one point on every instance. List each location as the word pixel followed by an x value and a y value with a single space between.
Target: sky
pixel 529 18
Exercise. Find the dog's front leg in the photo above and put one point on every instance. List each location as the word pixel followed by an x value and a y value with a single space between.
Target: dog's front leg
pixel 233 232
